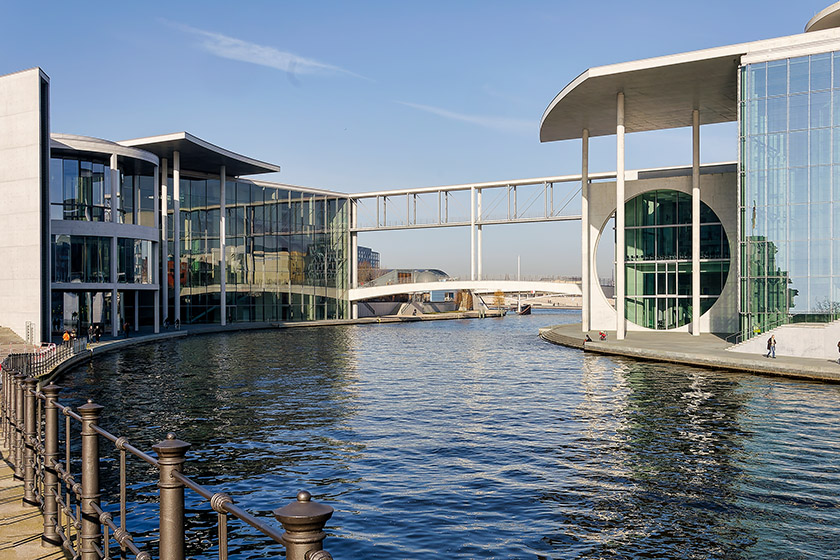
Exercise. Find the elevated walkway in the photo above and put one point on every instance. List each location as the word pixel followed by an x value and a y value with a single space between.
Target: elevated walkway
pixel 707 350
pixel 478 286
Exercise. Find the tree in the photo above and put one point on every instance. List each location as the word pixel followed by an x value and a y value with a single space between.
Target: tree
pixel 499 299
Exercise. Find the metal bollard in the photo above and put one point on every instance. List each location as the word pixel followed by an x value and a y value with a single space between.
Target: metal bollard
pixel 90 534
pixel 17 454
pixel 50 535
pixel 171 457
pixel 29 496
pixel 304 522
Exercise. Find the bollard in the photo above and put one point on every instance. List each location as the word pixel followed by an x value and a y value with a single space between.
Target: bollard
pixel 17 453
pixel 304 522
pixel 90 534
pixel 29 434
pixel 171 457
pixel 50 535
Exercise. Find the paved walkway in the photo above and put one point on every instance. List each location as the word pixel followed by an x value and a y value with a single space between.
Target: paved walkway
pixel 21 525
pixel 706 350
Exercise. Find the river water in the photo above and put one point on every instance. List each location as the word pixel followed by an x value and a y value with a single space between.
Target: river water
pixel 475 439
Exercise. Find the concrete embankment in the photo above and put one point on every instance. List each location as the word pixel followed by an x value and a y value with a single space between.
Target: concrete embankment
pixel 706 350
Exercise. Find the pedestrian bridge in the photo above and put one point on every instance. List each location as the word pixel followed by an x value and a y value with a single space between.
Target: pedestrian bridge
pixel 478 286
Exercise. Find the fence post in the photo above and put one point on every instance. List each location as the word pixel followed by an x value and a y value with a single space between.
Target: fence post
pixel 29 496
pixel 171 457
pixel 18 437
pixel 304 522
pixel 7 423
pixel 90 534
pixel 50 457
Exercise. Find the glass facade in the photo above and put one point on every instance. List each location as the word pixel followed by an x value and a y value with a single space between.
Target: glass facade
pixel 79 258
pixel 789 186
pixel 80 190
pixel 658 259
pixel 285 257
pixel 134 264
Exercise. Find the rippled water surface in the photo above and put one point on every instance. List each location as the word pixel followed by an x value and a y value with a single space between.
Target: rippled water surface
pixel 475 439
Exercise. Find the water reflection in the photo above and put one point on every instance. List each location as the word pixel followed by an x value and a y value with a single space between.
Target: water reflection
pixel 474 439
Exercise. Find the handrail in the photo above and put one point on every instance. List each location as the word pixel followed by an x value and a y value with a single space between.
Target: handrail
pixel 74 516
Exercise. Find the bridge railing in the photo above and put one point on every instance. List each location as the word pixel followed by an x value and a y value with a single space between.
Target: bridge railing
pixel 67 488
pixel 42 360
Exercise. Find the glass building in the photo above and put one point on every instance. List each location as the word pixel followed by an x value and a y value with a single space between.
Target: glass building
pixel 790 191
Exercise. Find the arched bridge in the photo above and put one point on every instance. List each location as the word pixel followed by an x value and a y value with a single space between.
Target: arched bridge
pixel 478 286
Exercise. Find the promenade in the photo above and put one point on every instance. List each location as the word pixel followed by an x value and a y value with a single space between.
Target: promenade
pixel 706 350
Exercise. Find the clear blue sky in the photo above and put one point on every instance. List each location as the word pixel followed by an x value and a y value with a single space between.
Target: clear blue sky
pixel 358 96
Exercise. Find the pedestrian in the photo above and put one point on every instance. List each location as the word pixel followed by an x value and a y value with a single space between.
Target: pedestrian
pixel 91 332
pixel 66 338
pixel 98 332
pixel 177 324
pixel 126 328
pixel 771 346
pixel 838 349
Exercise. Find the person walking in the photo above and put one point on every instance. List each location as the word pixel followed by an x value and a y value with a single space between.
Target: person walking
pixel 771 346
pixel 838 349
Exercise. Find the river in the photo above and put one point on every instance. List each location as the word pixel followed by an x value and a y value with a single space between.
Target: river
pixel 476 439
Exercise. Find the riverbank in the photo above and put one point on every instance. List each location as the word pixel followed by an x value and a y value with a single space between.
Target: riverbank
pixel 706 350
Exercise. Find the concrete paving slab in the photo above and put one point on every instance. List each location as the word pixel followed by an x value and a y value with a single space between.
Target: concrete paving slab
pixel 21 525
pixel 706 350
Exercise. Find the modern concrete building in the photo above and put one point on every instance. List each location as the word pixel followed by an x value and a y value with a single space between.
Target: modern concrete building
pixel 741 247
pixel 153 230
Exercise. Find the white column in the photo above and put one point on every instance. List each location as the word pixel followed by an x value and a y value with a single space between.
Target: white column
pixel 155 257
pixel 164 244
pixel 354 256
pixel 222 244
pixel 620 322
pixel 176 236
pixel 478 232
pixel 695 223
pixel 584 231
pixel 116 322
pixel 115 191
pixel 472 233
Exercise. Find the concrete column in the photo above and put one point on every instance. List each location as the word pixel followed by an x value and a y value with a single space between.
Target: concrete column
pixel 136 310
pixel 115 190
pixel 695 223
pixel 116 322
pixel 222 244
pixel 176 241
pixel 472 233
pixel 164 242
pixel 354 255
pixel 586 258
pixel 478 232
pixel 155 258
pixel 620 321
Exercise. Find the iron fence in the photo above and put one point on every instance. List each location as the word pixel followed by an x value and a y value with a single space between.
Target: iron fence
pixel 67 488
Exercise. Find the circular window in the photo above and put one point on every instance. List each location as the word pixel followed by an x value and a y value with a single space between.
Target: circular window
pixel 658 259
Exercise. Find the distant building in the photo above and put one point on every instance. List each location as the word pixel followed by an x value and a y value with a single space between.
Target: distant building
pixel 369 257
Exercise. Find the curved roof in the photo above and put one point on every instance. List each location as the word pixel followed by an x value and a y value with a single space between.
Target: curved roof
pixel 98 145
pixel 661 92
pixel 825 19
pixel 201 156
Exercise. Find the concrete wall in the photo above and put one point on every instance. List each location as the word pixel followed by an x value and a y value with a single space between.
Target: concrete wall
pixel 718 190
pixel 24 197
pixel 804 340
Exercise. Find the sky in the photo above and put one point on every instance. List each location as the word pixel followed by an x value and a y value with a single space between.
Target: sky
pixel 363 96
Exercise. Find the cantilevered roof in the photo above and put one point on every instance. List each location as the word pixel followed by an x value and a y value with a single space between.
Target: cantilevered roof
pixel 199 155
pixel 661 92
pixel 825 19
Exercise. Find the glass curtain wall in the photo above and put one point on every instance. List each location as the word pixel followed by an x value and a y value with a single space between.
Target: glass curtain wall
pixel 658 259
pixel 79 190
pixel 80 259
pixel 789 191
pixel 285 257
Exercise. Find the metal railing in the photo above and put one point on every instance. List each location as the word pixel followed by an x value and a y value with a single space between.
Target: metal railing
pixel 68 492
pixel 42 360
